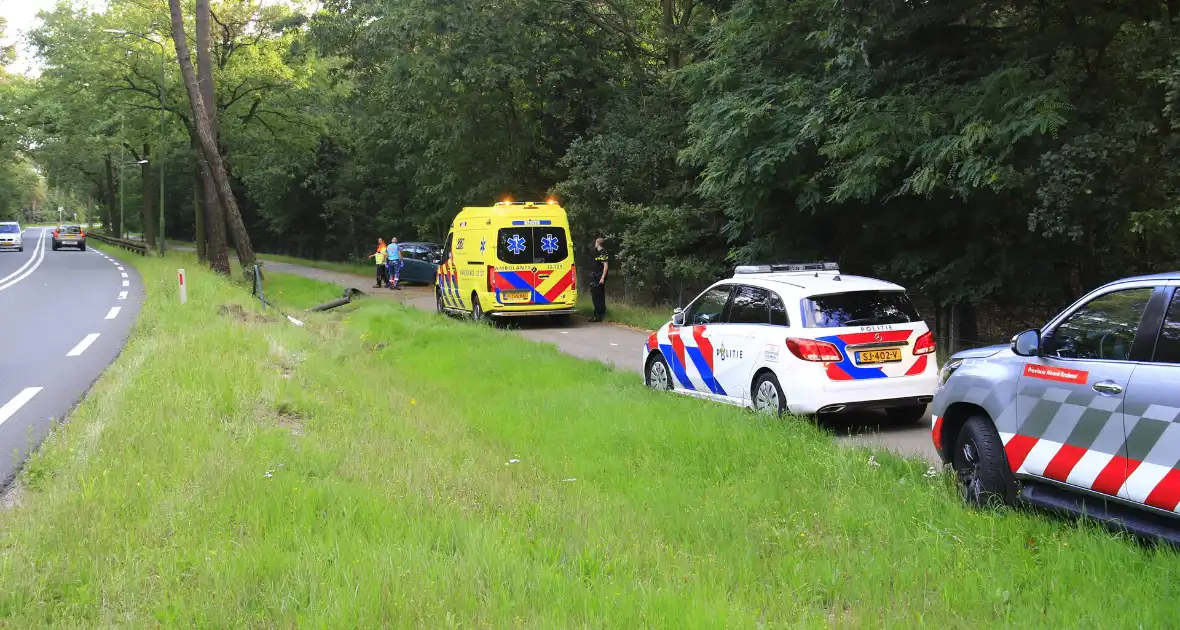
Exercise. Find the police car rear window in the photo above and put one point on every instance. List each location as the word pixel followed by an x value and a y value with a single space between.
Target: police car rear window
pixel 532 245
pixel 859 308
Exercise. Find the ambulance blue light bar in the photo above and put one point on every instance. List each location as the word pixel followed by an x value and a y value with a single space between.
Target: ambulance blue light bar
pixel 786 267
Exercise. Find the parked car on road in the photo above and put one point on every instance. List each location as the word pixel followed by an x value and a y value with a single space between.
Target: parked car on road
pixel 1080 415
pixel 420 262
pixel 11 236
pixel 69 236
pixel 798 338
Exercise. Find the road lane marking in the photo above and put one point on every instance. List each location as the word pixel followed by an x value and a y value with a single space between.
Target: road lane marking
pixel 124 274
pixel 120 268
pixel 22 267
pixel 83 345
pixel 26 271
pixel 122 295
pixel 126 283
pixel 18 401
pixel 114 312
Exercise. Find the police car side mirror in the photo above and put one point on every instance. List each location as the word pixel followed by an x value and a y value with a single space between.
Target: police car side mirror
pixel 678 317
pixel 1027 343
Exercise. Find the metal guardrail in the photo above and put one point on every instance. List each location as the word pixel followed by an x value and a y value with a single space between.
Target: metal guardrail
pixel 136 246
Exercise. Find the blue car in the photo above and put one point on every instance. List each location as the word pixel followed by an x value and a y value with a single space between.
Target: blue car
pixel 420 261
pixel 1079 416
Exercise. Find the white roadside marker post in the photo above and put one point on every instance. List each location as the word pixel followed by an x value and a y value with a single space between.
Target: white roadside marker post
pixel 183 287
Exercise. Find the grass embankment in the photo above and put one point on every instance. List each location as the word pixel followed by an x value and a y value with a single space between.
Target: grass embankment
pixel 388 467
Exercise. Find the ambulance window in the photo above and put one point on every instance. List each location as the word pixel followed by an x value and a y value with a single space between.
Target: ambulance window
pixel 447 247
pixel 778 311
pixel 749 306
pixel 532 245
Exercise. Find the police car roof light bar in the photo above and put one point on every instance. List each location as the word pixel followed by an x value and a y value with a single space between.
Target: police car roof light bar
pixel 779 268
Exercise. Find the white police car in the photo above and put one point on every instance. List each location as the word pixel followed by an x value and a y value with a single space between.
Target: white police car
pixel 798 338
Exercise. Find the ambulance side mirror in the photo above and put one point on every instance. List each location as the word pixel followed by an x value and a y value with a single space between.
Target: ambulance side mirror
pixel 678 317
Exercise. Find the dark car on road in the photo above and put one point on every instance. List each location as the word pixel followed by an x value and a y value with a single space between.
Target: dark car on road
pixel 420 262
pixel 69 236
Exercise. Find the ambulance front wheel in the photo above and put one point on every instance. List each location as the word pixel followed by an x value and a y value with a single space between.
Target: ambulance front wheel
pixel 438 302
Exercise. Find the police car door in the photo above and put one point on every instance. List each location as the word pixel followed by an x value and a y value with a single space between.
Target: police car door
pixel 693 343
pixel 736 344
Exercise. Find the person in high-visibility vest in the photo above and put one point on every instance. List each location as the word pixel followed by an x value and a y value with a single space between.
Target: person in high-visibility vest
pixel 379 257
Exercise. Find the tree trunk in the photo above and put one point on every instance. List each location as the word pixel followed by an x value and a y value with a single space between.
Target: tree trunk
pixel 214 219
pixel 208 142
pixel 112 225
pixel 199 210
pixel 148 220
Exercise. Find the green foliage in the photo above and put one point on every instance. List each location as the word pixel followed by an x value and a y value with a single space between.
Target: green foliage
pixel 971 150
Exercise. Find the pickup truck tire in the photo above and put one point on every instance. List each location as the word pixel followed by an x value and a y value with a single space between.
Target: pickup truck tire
pixel 981 465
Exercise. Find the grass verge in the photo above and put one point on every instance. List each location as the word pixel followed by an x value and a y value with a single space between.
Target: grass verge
pixel 391 468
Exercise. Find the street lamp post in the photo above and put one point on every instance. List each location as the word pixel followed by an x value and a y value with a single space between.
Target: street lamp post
pixel 122 226
pixel 163 119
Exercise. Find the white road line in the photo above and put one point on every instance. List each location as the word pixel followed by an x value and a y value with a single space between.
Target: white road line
pixel 83 345
pixel 126 283
pixel 122 295
pixel 18 401
pixel 26 270
pixel 120 268
pixel 114 312
pixel 124 274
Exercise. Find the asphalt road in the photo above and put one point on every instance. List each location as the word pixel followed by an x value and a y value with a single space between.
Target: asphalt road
pixel 620 346
pixel 64 316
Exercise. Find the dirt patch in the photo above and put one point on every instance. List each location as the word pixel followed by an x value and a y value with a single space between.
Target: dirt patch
pixel 287 417
pixel 13 496
pixel 242 315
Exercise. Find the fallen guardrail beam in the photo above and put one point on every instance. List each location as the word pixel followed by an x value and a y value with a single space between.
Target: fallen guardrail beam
pixel 348 294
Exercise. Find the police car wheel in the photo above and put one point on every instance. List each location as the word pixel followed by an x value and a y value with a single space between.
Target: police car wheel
pixel 980 465
pixel 658 375
pixel 768 395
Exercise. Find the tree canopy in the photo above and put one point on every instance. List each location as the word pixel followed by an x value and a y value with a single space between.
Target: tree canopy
pixel 974 151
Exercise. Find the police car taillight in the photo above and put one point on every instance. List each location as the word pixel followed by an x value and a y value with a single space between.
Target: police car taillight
pixel 812 350
pixel 924 344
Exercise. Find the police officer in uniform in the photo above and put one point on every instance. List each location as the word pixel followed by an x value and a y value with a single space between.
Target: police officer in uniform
pixel 598 279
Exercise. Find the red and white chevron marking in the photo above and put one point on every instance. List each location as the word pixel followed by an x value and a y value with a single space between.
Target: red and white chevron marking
pixel 1141 482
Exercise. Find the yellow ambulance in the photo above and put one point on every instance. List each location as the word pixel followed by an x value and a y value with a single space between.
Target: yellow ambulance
pixel 508 260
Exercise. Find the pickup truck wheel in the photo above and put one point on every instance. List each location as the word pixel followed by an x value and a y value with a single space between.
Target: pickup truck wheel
pixel 981 466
